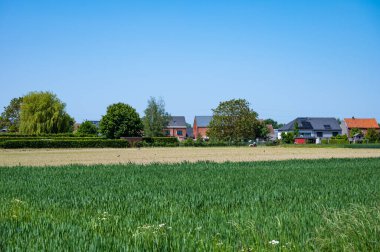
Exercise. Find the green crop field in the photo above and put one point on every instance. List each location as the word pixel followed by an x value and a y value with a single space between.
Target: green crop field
pixel 295 205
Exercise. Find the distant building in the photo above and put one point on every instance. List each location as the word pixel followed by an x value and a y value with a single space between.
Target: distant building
pixel 201 125
pixel 362 124
pixel 311 128
pixel 176 128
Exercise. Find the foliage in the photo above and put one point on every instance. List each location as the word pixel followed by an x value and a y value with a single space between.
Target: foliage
pixel 352 224
pixel 59 135
pixel 274 123
pixel 87 128
pixel 63 143
pixel 355 131
pixel 335 141
pixel 10 117
pixel 296 129
pixel 234 120
pixel 160 141
pixel 305 205
pixel 155 118
pixel 121 120
pixel 344 137
pixel 188 142
pixel 44 113
pixel 287 137
pixel 372 135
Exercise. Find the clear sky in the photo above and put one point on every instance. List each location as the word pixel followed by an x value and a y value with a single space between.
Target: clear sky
pixel 287 58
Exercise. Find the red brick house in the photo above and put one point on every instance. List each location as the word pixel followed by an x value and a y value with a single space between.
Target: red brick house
pixel 200 126
pixel 359 123
pixel 176 127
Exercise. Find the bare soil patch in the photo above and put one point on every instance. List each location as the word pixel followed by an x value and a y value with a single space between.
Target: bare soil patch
pixel 42 157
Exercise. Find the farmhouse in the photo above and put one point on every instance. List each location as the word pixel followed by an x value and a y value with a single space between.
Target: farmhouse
pixel 200 126
pixel 176 127
pixel 362 124
pixel 312 128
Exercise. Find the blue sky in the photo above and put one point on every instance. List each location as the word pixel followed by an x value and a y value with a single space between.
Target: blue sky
pixel 287 58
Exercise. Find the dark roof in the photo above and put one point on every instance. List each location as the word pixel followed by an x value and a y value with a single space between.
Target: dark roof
pixel 203 121
pixel 177 121
pixel 313 123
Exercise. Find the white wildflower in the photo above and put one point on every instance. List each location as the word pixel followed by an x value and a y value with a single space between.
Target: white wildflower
pixel 161 225
pixel 274 242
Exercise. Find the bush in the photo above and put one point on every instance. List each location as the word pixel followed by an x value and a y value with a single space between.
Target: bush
pixel 40 143
pixel 287 137
pixel 272 143
pixel 160 142
pixel 59 135
pixel 188 142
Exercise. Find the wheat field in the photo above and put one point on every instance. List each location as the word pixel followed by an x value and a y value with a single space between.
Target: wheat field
pixel 41 157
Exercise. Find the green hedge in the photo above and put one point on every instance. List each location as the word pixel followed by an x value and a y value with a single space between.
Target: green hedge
pixel 2 139
pixel 159 142
pixel 59 135
pixel 362 146
pixel 96 143
pixel 335 141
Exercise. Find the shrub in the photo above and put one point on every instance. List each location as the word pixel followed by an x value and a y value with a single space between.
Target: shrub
pixel 160 142
pixel 287 137
pixel 188 142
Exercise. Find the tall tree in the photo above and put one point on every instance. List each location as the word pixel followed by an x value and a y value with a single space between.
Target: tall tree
pixel 155 118
pixel 43 112
pixel 121 120
pixel 10 117
pixel 234 120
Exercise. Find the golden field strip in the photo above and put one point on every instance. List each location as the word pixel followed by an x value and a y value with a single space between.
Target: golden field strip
pixel 42 157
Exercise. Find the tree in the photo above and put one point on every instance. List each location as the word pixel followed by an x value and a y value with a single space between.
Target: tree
pixel 234 120
pixel 287 137
pixel 274 123
pixel 10 117
pixel 44 113
pixel 355 131
pixel 87 128
pixel 296 129
pixel 155 118
pixel 121 120
pixel 372 135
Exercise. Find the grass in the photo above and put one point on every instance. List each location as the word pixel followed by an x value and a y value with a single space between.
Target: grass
pixel 326 205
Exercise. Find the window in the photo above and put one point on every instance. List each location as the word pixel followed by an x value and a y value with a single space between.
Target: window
pixel 319 134
pixel 167 132
pixel 327 127
pixel 335 133
pixel 179 132
pixel 305 134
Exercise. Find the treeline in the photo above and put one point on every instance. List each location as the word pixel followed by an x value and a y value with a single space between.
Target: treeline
pixel 43 113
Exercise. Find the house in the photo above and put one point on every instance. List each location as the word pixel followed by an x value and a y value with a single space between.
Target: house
pixel 200 126
pixel 176 127
pixel 362 124
pixel 312 128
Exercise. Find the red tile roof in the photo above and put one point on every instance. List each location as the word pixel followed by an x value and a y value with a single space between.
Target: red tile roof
pixel 361 123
